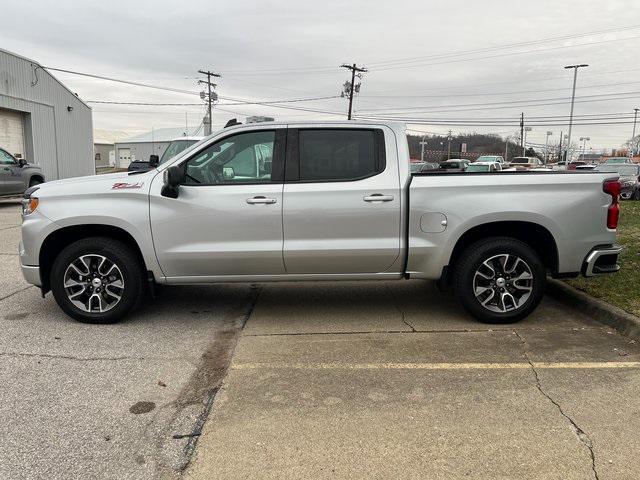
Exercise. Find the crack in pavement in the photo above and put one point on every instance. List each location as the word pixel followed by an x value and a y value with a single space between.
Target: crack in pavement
pixel 580 433
pixel 396 304
pixel 91 359
pixel 18 291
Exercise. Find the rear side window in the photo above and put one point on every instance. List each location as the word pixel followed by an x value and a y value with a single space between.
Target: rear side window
pixel 340 154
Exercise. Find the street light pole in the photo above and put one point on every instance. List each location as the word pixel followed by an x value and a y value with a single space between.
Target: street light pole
pixel 422 144
pixel 573 97
pixel 584 141
pixel 635 119
pixel 524 143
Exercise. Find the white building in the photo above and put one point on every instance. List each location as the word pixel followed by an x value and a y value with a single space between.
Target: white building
pixel 42 120
pixel 141 147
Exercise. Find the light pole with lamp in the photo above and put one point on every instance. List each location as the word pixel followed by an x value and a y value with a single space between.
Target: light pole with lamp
pixel 584 141
pixel 573 97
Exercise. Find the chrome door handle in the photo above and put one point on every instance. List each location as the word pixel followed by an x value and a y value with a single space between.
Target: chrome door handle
pixel 378 197
pixel 260 200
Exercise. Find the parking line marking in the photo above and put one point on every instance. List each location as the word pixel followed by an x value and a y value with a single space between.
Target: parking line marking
pixel 436 366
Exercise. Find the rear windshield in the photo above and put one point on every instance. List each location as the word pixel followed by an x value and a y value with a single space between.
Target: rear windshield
pixel 449 165
pixel 520 160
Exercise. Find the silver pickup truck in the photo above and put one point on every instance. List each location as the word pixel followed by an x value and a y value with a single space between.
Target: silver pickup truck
pixel 315 201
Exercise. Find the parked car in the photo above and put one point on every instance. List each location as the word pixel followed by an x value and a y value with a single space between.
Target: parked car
pixel 476 167
pixel 455 164
pixel 429 166
pixel 586 166
pixel 629 178
pixel 339 203
pixel 491 158
pixel 617 160
pixel 16 175
pixel 575 164
pixel 525 163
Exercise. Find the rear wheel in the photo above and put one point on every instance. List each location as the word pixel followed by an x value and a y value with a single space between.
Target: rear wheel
pixel 499 280
pixel 97 280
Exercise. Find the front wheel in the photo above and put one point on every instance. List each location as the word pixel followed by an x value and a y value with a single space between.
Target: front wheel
pixel 499 280
pixel 97 280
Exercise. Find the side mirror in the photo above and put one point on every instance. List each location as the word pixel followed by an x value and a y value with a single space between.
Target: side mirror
pixel 22 162
pixel 228 173
pixel 154 161
pixel 173 177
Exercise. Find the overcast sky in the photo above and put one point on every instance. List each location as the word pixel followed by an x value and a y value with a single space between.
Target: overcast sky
pixel 283 50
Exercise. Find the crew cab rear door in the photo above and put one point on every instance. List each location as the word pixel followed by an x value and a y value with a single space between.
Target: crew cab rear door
pixel 227 218
pixel 341 206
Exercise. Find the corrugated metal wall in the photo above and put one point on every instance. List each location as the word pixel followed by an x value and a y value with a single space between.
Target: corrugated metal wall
pixel 59 140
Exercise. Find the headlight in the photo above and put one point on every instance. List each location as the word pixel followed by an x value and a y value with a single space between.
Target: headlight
pixel 29 202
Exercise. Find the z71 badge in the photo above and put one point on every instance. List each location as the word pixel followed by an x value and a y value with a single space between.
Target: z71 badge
pixel 126 186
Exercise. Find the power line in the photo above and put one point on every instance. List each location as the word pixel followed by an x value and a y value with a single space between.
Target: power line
pixel 504 46
pixel 508 54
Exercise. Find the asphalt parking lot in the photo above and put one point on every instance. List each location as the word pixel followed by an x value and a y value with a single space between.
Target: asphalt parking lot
pixel 358 380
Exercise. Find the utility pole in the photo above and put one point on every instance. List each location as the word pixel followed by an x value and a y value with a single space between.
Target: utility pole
pixel 210 97
pixel 522 132
pixel 546 148
pixel 573 97
pixel 350 87
pixel 506 148
pixel 560 148
pixel 449 146
pixel 635 119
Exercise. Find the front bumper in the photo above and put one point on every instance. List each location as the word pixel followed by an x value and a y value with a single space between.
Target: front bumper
pixel 603 259
pixel 31 273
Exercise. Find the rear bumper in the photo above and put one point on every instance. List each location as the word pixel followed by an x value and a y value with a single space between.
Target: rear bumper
pixel 602 259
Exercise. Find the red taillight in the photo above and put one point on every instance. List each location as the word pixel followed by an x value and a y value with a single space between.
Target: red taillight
pixel 613 188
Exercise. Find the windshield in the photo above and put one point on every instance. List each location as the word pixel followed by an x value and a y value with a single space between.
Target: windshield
pixel 487 158
pixel 623 170
pixel 477 168
pixel 520 160
pixel 174 148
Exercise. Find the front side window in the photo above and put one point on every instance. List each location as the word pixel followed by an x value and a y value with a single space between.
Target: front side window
pixel 6 159
pixel 338 155
pixel 236 159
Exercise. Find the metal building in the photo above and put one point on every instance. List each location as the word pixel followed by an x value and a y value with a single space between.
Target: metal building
pixel 140 147
pixel 42 120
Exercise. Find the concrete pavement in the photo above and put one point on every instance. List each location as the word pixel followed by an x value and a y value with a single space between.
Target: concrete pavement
pixel 393 380
pixel 112 401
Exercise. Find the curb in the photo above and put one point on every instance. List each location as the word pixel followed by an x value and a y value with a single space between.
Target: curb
pixel 599 310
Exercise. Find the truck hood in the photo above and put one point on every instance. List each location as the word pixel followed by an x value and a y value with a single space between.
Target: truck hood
pixel 121 181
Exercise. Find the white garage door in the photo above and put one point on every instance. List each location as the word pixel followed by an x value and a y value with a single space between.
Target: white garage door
pixel 12 132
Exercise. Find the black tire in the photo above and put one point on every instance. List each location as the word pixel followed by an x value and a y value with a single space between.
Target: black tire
pixel 34 181
pixel 130 269
pixel 636 195
pixel 471 270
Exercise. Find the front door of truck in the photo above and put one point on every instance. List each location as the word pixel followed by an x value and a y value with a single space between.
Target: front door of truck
pixel 227 219
pixel 342 197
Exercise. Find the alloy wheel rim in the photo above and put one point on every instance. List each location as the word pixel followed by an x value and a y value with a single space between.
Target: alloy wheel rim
pixel 503 283
pixel 94 283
